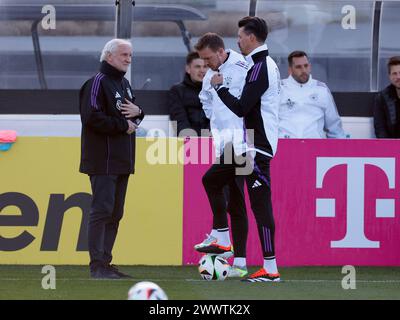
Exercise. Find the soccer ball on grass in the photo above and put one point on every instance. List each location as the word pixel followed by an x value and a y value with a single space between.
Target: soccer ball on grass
pixel 146 290
pixel 213 267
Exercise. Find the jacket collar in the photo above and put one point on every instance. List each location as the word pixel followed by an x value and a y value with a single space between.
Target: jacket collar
pixel 227 61
pixel 293 82
pixel 256 53
pixel 190 83
pixel 111 71
pixel 392 91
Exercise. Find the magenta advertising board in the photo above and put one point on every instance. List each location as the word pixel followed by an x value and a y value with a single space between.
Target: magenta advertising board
pixel 335 202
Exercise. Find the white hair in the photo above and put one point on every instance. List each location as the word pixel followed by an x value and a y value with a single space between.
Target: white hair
pixel 111 46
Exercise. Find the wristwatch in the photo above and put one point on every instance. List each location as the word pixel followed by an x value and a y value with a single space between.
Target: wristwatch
pixel 217 86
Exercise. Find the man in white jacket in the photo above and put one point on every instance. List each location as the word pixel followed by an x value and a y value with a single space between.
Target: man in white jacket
pixel 307 108
pixel 229 142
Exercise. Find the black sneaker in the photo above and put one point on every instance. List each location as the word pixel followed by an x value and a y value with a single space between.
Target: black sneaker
pixel 103 273
pixel 114 269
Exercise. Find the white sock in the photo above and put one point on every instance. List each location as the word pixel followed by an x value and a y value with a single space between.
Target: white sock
pixel 239 262
pixel 223 237
pixel 270 266
pixel 214 233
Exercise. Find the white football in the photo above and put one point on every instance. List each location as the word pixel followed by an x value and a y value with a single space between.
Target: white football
pixel 146 290
pixel 213 267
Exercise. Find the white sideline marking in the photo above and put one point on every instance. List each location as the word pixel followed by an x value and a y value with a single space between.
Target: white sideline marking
pixel 193 280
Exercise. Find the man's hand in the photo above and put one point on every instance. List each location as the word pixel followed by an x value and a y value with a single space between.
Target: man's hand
pixel 132 127
pixel 130 110
pixel 217 79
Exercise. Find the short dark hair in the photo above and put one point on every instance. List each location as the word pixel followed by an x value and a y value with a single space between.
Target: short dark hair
pixel 296 54
pixel 393 61
pixel 210 40
pixel 191 56
pixel 256 26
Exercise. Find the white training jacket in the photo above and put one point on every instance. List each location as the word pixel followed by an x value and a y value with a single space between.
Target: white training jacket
pixel 225 126
pixel 308 111
pixel 265 132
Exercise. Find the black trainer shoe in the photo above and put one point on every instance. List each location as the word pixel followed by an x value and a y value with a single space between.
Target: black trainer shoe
pixel 103 273
pixel 114 269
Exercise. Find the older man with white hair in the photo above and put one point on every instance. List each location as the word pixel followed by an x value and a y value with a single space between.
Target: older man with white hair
pixel 109 120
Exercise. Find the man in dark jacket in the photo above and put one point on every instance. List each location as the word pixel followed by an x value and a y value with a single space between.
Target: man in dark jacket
pixel 387 104
pixel 183 98
pixel 109 120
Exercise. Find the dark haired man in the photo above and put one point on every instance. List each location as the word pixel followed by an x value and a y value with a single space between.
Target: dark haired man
pixel 183 98
pixel 258 106
pixel 387 104
pixel 307 108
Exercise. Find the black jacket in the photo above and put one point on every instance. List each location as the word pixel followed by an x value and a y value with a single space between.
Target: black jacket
pixel 387 113
pixel 185 107
pixel 106 148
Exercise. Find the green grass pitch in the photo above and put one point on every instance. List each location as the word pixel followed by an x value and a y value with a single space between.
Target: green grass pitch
pixel 184 283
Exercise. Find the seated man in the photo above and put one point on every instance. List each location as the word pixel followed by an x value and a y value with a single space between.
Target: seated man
pixel 307 108
pixel 387 104
pixel 183 98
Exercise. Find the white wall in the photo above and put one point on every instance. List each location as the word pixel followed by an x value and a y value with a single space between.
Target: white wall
pixel 70 125
pixel 359 127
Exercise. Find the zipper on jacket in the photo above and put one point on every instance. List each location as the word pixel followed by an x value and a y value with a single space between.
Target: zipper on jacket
pixel 130 151
pixel 108 153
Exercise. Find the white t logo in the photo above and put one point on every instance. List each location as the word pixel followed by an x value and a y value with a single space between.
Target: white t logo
pixel 355 237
